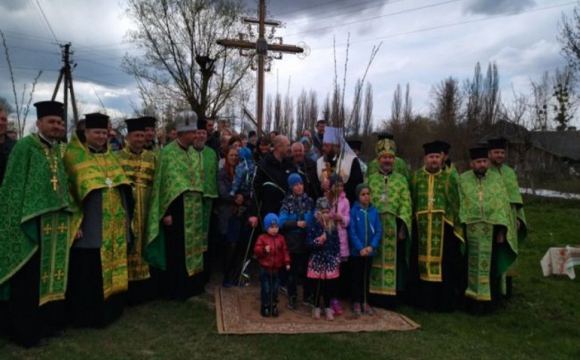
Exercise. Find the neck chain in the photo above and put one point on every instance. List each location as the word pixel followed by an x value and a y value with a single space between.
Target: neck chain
pixel 52 159
pixel 105 169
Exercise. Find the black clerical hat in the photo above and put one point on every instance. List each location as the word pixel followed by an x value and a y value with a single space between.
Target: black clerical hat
pixel 135 125
pixel 149 121
pixel 499 143
pixel 201 124
pixel 478 153
pixel 432 148
pixel 443 145
pixel 96 121
pixel 355 144
pixel 386 135
pixel 49 108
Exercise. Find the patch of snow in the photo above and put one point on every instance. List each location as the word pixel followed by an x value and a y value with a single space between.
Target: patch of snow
pixel 550 193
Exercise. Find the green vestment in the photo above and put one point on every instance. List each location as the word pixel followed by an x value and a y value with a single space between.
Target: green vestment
pixel 210 190
pixel 512 187
pixel 400 166
pixel 177 174
pixel 140 169
pixel 390 195
pixel 36 206
pixel 435 202
pixel 485 204
pixel 87 172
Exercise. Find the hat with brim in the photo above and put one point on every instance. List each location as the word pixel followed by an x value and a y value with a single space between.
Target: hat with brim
pixel 135 125
pixel 432 148
pixel 96 121
pixel 149 121
pixel 49 108
pixel 478 153
pixel 499 143
pixel 444 146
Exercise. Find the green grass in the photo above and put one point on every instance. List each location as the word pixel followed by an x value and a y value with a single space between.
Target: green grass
pixel 540 322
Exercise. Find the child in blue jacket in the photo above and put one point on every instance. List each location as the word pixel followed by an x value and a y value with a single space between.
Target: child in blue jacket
pixel 365 233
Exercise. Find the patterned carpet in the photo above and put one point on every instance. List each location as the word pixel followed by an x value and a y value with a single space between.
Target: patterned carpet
pixel 238 312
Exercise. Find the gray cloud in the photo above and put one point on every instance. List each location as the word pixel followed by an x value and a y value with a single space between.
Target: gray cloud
pixel 494 7
pixel 13 5
pixel 289 10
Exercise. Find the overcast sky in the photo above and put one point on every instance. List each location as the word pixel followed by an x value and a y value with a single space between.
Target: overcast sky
pixel 424 41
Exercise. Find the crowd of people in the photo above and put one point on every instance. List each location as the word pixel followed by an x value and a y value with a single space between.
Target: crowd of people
pixel 96 224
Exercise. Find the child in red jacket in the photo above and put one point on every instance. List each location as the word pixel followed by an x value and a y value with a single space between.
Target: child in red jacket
pixel 272 254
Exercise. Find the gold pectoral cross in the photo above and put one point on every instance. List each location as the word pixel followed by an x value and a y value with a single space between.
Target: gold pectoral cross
pixel 480 196
pixel 54 182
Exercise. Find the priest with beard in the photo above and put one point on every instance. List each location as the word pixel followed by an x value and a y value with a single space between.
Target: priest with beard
pixel 175 243
pixel 139 166
pixel 35 233
pixel 340 159
pixel 209 163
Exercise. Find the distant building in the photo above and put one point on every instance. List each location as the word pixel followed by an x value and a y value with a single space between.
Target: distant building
pixel 547 154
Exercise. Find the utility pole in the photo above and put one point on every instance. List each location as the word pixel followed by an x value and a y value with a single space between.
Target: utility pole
pixel 259 49
pixel 66 75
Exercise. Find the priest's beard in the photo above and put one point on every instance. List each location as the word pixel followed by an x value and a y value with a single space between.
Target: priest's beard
pixel 480 172
pixel 199 145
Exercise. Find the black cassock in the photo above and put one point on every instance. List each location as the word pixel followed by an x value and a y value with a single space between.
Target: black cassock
pixel 176 284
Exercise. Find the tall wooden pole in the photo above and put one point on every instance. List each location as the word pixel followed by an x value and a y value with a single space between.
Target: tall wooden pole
pixel 260 48
pixel 260 101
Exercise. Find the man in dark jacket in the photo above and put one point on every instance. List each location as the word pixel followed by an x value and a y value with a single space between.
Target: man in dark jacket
pixel 306 167
pixel 271 181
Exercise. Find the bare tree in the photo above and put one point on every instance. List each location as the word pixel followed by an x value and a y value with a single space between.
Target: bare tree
pixel 541 94
pixel 179 53
pixel 448 100
pixel 301 113
pixel 490 96
pixel 326 111
pixel 269 113
pixel 21 109
pixel 408 105
pixel 368 111
pixel 312 108
pixel 569 38
pixel 397 107
pixel 564 84
pixel 354 121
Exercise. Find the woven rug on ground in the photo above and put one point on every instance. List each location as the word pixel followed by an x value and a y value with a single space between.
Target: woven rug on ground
pixel 238 312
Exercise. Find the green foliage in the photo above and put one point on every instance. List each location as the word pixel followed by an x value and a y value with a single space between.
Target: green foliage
pixel 540 322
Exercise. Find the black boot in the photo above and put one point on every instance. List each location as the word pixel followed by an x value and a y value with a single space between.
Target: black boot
pixel 266 311
pixel 274 310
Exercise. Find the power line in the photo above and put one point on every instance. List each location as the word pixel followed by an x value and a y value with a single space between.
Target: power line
pixel 453 24
pixel 308 7
pixel 46 20
pixel 356 10
pixel 376 17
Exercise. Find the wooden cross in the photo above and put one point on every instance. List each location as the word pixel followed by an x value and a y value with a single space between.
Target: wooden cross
pixel 261 47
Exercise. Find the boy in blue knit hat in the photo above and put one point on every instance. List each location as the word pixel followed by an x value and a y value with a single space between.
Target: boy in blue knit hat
pixel 272 253
pixel 296 212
